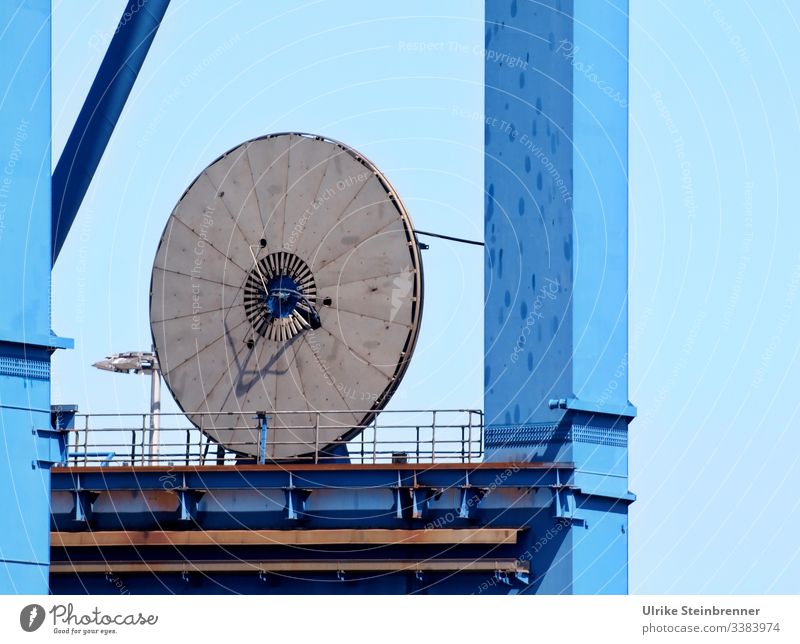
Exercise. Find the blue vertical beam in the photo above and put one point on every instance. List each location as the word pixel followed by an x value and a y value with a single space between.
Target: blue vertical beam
pixel 25 338
pixel 556 316
pixel 101 110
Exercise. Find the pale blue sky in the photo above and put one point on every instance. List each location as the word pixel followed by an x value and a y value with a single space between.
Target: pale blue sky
pixel 714 266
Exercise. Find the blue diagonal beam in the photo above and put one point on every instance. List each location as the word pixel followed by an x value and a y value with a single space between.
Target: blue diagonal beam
pixel 101 110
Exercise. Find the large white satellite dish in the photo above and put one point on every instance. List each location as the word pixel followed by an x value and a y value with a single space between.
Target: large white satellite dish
pixel 287 279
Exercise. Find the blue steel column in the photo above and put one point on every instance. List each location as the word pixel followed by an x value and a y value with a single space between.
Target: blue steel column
pixel 25 338
pixel 556 320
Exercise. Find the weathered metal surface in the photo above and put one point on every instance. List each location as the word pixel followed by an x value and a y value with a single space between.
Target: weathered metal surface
pixel 309 226
pixel 281 537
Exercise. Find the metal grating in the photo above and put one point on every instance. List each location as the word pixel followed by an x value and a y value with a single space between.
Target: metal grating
pixel 28 368
pixel 500 436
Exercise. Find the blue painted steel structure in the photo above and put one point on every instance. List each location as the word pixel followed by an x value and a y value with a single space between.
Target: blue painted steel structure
pixel 32 232
pixel 556 355
pixel 556 321
pixel 145 523
pixel 107 96
pixel 26 342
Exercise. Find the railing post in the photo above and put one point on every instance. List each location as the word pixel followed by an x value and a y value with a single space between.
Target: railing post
pixel 262 439
pixel 374 440
pixel 85 441
pixel 316 437
pixel 483 434
pixel 144 439
pixel 433 437
pixel 469 438
pixel 188 444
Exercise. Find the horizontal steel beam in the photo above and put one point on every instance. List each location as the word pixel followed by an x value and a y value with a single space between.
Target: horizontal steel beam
pixel 312 477
pixel 283 537
pixel 294 566
pixel 310 467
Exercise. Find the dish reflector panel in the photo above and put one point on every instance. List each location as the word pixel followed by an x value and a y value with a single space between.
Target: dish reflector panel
pixel 287 280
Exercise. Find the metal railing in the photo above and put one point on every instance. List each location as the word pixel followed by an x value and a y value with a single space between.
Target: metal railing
pixel 399 436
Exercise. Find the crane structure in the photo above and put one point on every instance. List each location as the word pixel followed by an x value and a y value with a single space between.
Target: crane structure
pixel 531 496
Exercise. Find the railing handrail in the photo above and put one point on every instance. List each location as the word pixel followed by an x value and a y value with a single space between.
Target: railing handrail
pixel 439 437
pixel 246 412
